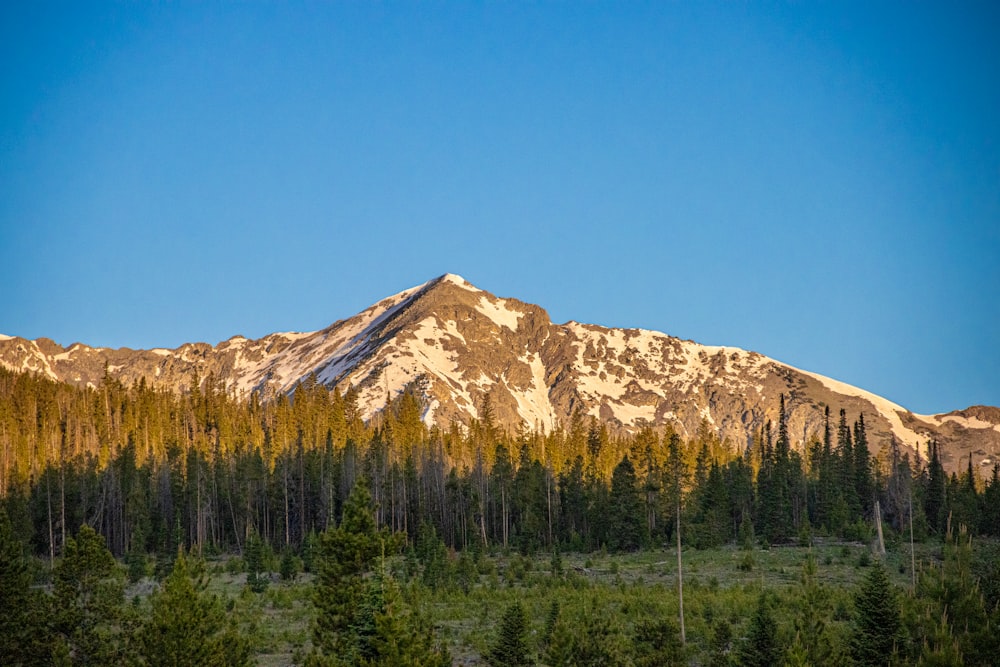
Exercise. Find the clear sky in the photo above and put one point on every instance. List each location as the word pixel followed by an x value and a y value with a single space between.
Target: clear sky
pixel 819 182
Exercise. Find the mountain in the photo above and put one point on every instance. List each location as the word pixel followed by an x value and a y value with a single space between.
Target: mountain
pixel 455 343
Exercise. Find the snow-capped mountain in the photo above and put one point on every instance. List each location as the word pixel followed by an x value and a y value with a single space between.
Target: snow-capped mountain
pixel 456 343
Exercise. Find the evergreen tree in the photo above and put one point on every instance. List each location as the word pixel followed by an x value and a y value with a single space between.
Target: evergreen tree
pixel 990 505
pixel 760 647
pixel 826 476
pixel 432 554
pixel 625 509
pixel 187 626
pixel 813 643
pixel 592 640
pixel 876 624
pixel 573 504
pixel 289 566
pixel 934 492
pixel 941 649
pixel 253 560
pixel 847 479
pixel 722 644
pixel 347 553
pixel 965 504
pixel 657 643
pixel 560 644
pixel 24 631
pixel 714 512
pixel 955 617
pixel 864 482
pixel 88 594
pixel 390 633
pixel 510 648
pixel 551 618
pixel 777 500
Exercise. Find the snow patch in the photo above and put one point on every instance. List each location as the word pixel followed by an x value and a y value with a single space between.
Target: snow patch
pixel 706 414
pixel 533 404
pixel 499 313
pixel 965 422
pixel 628 413
pixel 889 410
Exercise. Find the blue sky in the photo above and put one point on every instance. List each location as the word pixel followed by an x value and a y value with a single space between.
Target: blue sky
pixel 819 182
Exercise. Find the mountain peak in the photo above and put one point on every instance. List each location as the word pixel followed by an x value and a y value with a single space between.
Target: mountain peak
pixel 456 279
pixel 457 344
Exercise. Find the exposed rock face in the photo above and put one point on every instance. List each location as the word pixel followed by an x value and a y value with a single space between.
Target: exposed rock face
pixel 456 343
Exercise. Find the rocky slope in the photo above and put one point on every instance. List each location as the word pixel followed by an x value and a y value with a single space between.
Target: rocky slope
pixel 456 343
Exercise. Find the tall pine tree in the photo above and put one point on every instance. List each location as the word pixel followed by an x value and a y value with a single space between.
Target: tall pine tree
pixel 876 625
pixel 187 626
pixel 625 510
pixel 510 648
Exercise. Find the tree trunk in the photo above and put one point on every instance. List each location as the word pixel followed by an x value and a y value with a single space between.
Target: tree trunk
pixel 680 572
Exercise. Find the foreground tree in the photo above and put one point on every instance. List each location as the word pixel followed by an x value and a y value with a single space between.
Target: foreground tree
pixel 657 643
pixel 88 594
pixel 391 633
pixel 187 626
pixel 593 638
pixel 23 631
pixel 347 554
pixel 954 616
pixel 760 648
pixel 362 618
pixel 876 624
pixel 510 648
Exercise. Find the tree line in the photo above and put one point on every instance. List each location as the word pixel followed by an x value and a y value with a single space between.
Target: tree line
pixel 153 470
pixel 372 601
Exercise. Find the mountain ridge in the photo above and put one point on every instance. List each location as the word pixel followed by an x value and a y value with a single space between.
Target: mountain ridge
pixel 456 343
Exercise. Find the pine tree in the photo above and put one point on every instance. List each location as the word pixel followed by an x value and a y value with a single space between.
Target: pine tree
pixel 941 649
pixel 876 625
pixel 760 647
pixel 847 480
pixel 187 626
pixel 391 633
pixel 813 641
pixel 510 648
pixel 722 644
pixel 24 631
pixel 625 509
pixel 560 644
pixel 253 560
pixel 826 476
pixel 347 554
pixel 934 492
pixel 990 505
pixel 777 498
pixel 88 594
pixel 956 617
pixel 657 643
pixel 551 618
pixel 864 482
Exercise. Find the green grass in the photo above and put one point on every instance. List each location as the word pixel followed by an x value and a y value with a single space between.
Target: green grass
pixel 719 584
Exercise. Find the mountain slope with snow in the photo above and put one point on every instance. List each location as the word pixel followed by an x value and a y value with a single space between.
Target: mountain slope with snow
pixel 456 343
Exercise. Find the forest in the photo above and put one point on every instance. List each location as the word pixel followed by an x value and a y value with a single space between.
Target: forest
pixel 385 536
